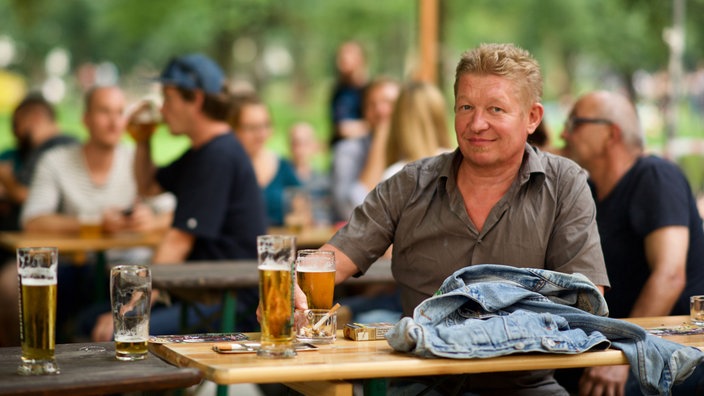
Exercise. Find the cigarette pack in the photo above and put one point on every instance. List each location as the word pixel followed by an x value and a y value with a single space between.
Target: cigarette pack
pixel 367 332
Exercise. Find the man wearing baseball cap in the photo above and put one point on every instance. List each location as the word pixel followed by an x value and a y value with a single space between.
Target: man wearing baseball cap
pixel 219 210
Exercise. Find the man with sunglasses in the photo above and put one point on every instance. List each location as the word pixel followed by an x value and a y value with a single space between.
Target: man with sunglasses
pixel 651 232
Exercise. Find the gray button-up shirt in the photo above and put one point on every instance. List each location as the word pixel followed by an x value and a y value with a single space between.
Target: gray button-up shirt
pixel 547 219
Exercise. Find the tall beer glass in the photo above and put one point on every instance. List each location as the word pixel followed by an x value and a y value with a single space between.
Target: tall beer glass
pixel 315 270
pixel 130 295
pixel 277 277
pixel 36 267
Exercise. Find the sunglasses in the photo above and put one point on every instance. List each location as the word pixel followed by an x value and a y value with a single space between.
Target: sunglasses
pixel 573 123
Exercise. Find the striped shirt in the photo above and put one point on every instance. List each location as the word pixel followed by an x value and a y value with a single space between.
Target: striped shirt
pixel 62 184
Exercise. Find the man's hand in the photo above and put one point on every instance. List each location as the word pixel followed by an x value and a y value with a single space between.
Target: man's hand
pixel 103 329
pixel 300 302
pixel 604 380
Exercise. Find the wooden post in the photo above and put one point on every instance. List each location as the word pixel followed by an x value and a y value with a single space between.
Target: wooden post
pixel 428 39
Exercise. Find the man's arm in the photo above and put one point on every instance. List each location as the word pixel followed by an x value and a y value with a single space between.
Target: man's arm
pixel 16 191
pixel 344 267
pixel 145 170
pixel 666 254
pixel 54 223
pixel 174 248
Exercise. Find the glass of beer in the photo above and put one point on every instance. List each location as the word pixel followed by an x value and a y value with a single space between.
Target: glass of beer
pixel 315 270
pixel 277 277
pixel 91 223
pixel 144 120
pixel 36 267
pixel 130 295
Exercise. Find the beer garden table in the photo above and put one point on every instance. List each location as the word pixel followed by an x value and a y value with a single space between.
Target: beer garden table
pixel 93 372
pixel 308 238
pixel 69 243
pixel 75 244
pixel 327 370
pixel 211 280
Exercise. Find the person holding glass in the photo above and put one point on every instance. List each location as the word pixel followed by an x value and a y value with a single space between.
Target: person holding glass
pixel 495 199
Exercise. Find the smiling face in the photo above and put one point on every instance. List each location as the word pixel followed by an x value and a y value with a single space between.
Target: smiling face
pixel 492 120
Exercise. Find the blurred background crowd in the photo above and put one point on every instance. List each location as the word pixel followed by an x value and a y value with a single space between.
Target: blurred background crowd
pixel 285 52
pixel 331 97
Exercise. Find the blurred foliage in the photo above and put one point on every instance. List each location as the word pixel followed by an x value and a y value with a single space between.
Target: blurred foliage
pixel 581 44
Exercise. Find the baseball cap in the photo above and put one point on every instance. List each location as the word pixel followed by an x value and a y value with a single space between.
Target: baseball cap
pixel 193 71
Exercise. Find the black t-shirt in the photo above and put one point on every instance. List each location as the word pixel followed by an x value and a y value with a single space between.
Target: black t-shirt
pixel 653 194
pixel 218 200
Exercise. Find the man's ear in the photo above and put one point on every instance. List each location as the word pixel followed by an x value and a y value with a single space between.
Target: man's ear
pixel 198 98
pixel 535 115
pixel 615 133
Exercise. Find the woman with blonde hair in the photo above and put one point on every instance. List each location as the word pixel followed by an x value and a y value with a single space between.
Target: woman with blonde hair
pixel 418 129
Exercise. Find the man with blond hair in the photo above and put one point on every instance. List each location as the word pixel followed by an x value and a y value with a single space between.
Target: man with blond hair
pixel 493 200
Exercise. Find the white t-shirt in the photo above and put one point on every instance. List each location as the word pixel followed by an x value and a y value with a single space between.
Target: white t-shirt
pixel 62 184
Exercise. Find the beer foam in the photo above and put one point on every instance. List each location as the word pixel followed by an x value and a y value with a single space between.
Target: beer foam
pixel 130 338
pixel 317 270
pixel 274 267
pixel 38 282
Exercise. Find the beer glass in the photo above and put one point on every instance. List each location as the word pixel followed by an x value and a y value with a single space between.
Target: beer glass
pixel 315 270
pixel 130 295
pixel 36 267
pixel 144 120
pixel 277 277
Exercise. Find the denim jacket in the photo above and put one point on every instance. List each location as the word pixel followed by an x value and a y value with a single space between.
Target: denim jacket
pixel 492 310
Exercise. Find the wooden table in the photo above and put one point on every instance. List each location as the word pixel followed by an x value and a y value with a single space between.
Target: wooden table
pixel 75 245
pixel 234 274
pixel 324 371
pixel 308 238
pixel 68 243
pixel 215 281
pixel 92 373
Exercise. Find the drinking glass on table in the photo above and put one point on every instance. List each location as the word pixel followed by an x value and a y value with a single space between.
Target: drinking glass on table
pixel 36 267
pixel 315 272
pixel 130 296
pixel 277 277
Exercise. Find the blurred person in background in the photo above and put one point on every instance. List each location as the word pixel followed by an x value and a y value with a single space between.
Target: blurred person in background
pixel 346 101
pixel 35 129
pixel 541 138
pixel 350 155
pixel 304 147
pixel 418 129
pixel 97 176
pixel 650 228
pixel 251 121
pixel 219 211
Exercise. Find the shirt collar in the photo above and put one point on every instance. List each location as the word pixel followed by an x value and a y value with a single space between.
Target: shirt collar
pixel 532 166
